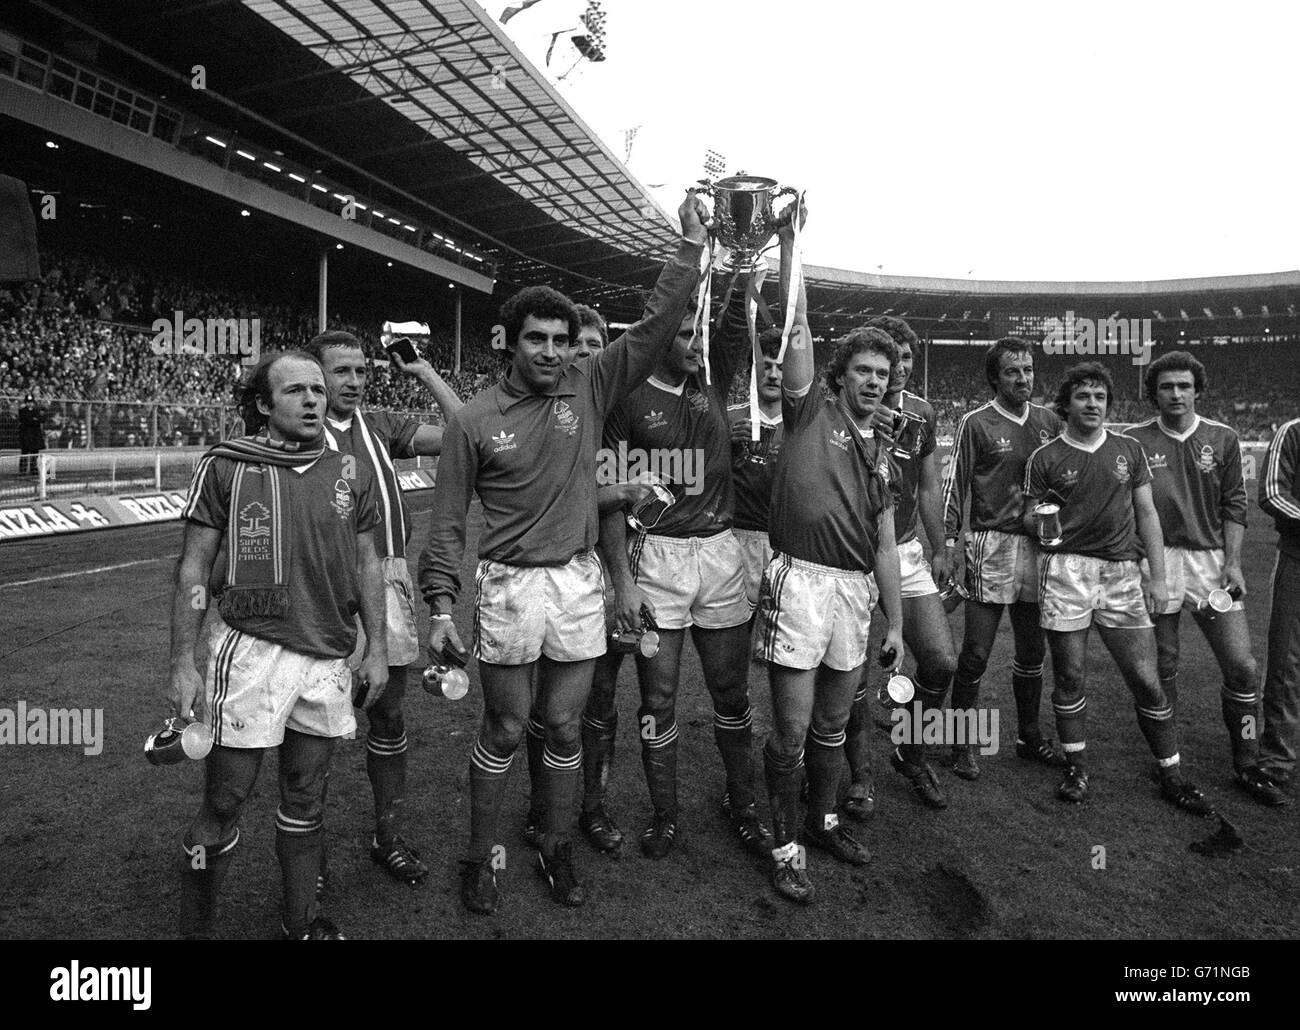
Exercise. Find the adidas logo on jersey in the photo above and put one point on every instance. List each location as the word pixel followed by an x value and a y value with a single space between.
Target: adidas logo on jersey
pixel 503 441
pixel 840 439
pixel 1069 477
pixel 1158 461
pixel 1002 446
pixel 654 419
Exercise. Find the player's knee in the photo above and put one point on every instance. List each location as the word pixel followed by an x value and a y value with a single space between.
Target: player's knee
pixel 502 733
pixel 302 791
pixel 387 723
pixel 786 741
pixel 936 663
pixel 563 735
pixel 1067 685
pixel 972 662
pixel 1242 675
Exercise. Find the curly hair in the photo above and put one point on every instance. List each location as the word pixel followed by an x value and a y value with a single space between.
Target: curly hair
pixel 899 331
pixel 993 358
pixel 859 341
pixel 540 302
pixel 257 385
pixel 590 317
pixel 1079 375
pixel 769 342
pixel 1175 361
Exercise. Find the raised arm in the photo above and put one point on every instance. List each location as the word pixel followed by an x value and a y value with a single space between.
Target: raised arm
pixel 428 439
pixel 627 362
pixel 798 366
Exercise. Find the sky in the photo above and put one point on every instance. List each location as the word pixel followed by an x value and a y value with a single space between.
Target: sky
pixel 998 140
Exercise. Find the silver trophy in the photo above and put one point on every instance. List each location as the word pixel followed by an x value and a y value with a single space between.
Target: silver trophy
pixel 1049 524
pixel 743 217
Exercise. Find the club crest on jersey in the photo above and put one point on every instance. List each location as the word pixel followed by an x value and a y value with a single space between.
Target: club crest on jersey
pixel 342 502
pixel 565 419
pixel 840 439
pixel 503 441
pixel 697 400
pixel 654 419
pixel 1206 461
pixel 1044 436
pixel 1002 446
pixel 1121 468
pixel 1158 461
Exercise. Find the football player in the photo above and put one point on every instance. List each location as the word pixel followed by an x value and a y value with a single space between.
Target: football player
pixel 1200 496
pixel 298 523
pixel 991 446
pixel 753 464
pixel 527 447
pixel 687 570
pixel 375 439
pixel 1089 574
pixel 906 425
pixel 1279 496
pixel 832 526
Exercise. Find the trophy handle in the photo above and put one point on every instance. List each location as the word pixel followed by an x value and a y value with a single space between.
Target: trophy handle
pixel 704 187
pixel 785 191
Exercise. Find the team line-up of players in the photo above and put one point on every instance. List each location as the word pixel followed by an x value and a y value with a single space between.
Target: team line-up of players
pixel 785 544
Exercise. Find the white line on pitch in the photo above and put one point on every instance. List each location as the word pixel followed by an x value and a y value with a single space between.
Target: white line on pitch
pixel 83 572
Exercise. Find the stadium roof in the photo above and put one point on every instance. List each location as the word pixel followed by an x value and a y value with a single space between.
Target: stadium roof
pixel 428 106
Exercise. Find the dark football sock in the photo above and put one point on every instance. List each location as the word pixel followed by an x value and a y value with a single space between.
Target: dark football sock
pixel 386 767
pixel 1240 712
pixel 1072 726
pixel 784 778
pixel 298 845
pixel 488 775
pixel 734 736
pixel 535 745
pixel 1027 686
pixel 597 759
pixel 203 870
pixel 1157 725
pixel 659 759
pixel 823 759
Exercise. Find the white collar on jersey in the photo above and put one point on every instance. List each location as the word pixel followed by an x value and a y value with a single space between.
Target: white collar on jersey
pixel 775 420
pixel 1018 420
pixel 1089 448
pixel 677 390
pixel 343 427
pixel 1180 437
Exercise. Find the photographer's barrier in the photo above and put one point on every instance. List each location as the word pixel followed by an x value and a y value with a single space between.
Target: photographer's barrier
pixel 27 519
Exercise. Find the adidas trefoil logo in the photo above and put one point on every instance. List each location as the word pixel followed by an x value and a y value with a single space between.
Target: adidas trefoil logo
pixel 840 439
pixel 503 441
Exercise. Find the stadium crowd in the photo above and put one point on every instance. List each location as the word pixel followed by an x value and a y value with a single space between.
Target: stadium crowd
pixel 77 340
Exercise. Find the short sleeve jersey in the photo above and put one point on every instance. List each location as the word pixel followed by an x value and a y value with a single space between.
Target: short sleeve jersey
pixel 753 464
pixel 1196 481
pixel 915 443
pixel 1094 487
pixel 394 436
pixel 326 510
pixel 987 466
pixel 684 432
pixel 829 489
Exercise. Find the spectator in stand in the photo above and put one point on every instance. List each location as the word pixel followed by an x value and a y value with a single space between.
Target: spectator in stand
pixel 31 437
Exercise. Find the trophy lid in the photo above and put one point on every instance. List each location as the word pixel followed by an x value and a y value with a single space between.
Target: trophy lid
pixel 745 183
